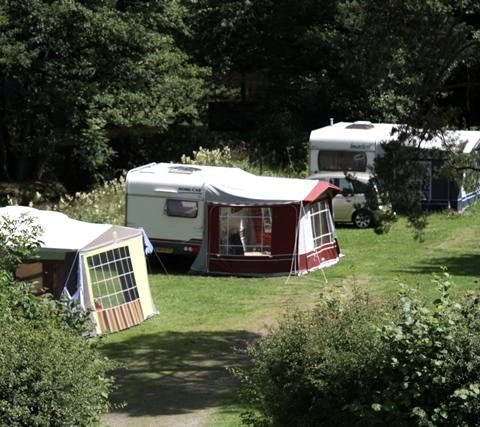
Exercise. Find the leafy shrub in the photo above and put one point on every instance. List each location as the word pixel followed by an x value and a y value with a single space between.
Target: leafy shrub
pixel 49 377
pixel 429 372
pixel 19 239
pixel 24 193
pixel 210 157
pixel 18 302
pixel 50 373
pixel 310 369
pixel 238 158
pixel 420 365
pixel 103 204
pixel 223 156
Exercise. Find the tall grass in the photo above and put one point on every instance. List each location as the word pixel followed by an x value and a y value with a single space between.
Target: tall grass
pixel 104 204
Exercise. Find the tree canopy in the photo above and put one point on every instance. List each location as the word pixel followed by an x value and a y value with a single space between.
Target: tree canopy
pixel 75 72
pixel 90 87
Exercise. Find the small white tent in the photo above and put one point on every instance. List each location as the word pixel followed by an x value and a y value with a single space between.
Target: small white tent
pixel 100 266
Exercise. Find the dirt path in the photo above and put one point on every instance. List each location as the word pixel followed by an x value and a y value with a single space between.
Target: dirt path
pixel 198 418
pixel 181 388
pixel 183 399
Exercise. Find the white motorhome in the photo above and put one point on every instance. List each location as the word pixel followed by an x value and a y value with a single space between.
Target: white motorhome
pixel 353 146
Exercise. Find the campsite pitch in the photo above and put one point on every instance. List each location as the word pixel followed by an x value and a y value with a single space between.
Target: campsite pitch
pixel 174 365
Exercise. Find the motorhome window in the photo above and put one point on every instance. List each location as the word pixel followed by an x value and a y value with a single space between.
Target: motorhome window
pixel 181 208
pixel 245 231
pixel 322 224
pixel 342 160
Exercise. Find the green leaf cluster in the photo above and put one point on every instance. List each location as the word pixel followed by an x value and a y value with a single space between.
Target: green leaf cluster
pixel 315 368
pixel 19 239
pixel 429 373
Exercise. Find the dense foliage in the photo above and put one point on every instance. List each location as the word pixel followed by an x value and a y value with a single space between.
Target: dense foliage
pixel 51 374
pixel 344 364
pixel 88 89
pixel 103 204
pixel 76 74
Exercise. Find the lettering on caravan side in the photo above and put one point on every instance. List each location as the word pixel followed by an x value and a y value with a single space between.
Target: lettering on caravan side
pixel 189 190
pixel 357 146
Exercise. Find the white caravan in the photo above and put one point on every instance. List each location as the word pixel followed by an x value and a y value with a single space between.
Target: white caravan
pixel 347 146
pixel 236 222
pixel 168 204
pixel 353 146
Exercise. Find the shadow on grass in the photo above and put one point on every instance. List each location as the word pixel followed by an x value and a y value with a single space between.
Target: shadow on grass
pixel 176 373
pixel 169 264
pixel 463 265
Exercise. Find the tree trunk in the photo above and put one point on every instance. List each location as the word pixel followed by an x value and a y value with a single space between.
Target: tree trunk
pixel 4 175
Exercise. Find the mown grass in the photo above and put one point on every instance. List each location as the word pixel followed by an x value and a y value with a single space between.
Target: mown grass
pixel 175 363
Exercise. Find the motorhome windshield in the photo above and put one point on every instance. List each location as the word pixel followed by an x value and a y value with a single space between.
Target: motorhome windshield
pixel 336 160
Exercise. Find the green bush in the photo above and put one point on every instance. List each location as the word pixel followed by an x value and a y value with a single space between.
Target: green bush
pixel 19 239
pixel 429 372
pixel 103 204
pixel 49 377
pixel 24 193
pixel 314 366
pixel 238 157
pixel 50 373
pixel 420 364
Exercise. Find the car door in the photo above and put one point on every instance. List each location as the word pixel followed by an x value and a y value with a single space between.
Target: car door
pixel 344 202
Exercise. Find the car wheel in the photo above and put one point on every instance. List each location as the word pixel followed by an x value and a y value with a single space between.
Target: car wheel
pixel 362 219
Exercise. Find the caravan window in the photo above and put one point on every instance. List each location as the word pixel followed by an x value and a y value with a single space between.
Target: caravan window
pixel 245 230
pixel 181 208
pixel 342 161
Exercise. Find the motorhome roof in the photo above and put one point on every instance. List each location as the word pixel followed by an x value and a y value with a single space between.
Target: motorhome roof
pixel 472 139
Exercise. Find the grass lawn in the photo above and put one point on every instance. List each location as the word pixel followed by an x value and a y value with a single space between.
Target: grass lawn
pixel 174 364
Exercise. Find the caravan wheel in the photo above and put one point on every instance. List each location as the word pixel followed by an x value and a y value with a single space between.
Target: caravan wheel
pixel 362 219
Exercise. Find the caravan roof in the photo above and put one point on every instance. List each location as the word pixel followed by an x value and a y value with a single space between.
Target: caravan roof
pixel 221 183
pixel 364 132
pixel 348 132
